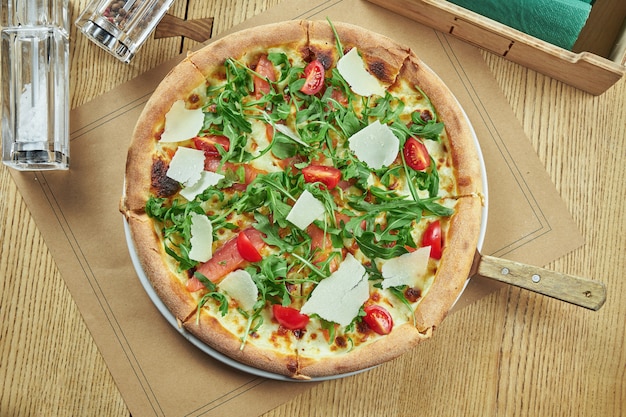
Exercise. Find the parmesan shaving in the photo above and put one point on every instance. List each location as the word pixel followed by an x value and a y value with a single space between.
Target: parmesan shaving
pixel 406 269
pixel 182 123
pixel 201 238
pixel 375 144
pixel 207 179
pixel 306 209
pixel 186 166
pixel 339 297
pixel 352 69
pixel 240 287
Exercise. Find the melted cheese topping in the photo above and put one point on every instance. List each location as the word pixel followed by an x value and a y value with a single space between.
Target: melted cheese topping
pixel 338 297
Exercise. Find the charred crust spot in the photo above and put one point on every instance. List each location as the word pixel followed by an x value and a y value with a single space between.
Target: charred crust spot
pixel 161 183
pixel 326 59
pixel 193 99
pixel 379 69
pixel 324 56
pixel 292 366
pixel 306 53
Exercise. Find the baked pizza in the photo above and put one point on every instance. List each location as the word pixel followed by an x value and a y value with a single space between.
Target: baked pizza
pixel 305 197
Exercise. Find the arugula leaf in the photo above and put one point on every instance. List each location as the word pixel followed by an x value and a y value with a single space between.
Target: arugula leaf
pixel 270 279
pixel 283 147
pixel 428 130
pixel 337 40
pixel 383 227
pixel 430 104
pixel 352 168
pixel 281 60
pixel 387 108
pixel 399 294
pixel 211 294
pixel 176 227
pixel 322 194
pixel 371 248
pixel 272 234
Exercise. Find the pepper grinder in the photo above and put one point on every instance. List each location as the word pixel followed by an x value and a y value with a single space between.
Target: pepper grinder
pixel 35 84
pixel 121 26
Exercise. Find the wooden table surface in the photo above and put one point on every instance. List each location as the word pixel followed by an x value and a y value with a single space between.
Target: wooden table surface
pixel 513 353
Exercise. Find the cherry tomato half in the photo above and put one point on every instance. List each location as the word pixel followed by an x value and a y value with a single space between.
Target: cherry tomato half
pixel 416 155
pixel 329 176
pixel 246 248
pixel 314 77
pixel 433 238
pixel 378 319
pixel 289 317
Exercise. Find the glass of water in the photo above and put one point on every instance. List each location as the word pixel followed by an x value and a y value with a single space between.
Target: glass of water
pixel 34 54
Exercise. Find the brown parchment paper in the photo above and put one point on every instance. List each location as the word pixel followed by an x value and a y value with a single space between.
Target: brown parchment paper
pixel 77 214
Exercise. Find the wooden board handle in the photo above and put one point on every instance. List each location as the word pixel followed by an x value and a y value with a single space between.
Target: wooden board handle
pixel 197 29
pixel 575 290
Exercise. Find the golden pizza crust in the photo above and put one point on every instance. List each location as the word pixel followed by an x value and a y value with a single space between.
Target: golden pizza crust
pixel 247 45
pixel 384 349
pixel 461 241
pixel 153 260
pixel 181 83
pixel 281 360
pixel 383 56
pixel 461 140
pixel 386 59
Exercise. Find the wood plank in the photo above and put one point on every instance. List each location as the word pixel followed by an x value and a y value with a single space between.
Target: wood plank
pixel 501 356
pixel 197 29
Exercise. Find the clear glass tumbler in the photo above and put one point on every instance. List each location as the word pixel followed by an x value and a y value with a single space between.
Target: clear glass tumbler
pixel 121 26
pixel 34 55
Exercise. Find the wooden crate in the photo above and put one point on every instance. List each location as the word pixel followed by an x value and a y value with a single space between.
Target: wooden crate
pixel 597 61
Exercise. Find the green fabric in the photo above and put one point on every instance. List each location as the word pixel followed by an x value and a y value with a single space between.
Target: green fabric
pixel 558 22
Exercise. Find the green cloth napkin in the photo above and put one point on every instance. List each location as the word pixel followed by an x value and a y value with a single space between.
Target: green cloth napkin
pixel 558 22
